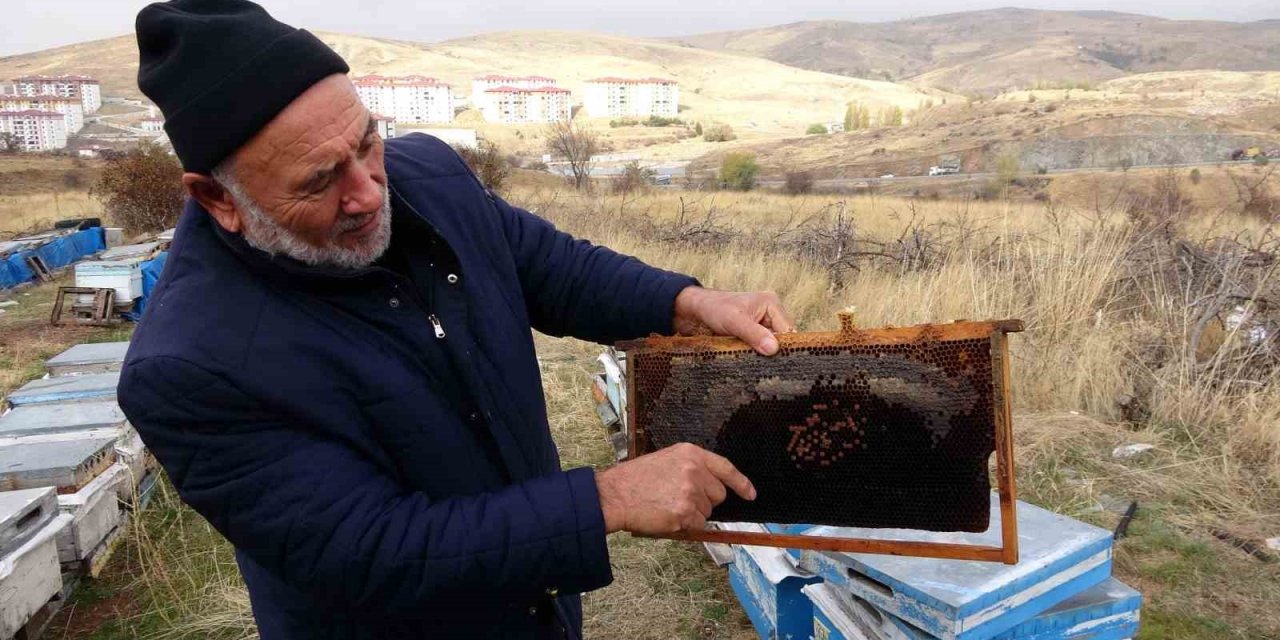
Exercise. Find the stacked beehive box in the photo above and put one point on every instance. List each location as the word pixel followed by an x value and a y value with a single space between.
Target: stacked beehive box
pixel 71 471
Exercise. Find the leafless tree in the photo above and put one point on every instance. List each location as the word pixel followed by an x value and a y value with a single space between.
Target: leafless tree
pixel 576 144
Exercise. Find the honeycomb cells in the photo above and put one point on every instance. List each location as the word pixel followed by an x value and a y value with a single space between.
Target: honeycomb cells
pixel 846 432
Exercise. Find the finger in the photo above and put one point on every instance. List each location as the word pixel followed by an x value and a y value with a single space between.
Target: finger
pixel 721 468
pixel 694 522
pixel 778 319
pixel 751 332
pixel 712 488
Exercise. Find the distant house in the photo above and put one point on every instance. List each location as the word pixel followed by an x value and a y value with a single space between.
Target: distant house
pixel 613 97
pixel 152 125
pixel 514 105
pixel 407 99
pixel 35 130
pixel 72 109
pixel 84 88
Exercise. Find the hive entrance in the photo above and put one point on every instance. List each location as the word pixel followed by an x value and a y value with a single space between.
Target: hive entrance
pixel 885 427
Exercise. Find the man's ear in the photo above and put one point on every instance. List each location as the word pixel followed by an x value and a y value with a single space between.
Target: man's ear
pixel 216 200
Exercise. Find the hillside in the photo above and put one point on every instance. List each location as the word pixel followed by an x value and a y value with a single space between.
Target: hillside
pixel 1145 119
pixel 753 94
pixel 985 51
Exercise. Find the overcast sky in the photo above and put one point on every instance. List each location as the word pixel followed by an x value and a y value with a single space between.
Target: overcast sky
pixel 30 25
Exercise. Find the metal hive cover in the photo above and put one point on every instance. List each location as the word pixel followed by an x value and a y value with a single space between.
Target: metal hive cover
pixel 62 418
pixel 861 428
pixel 88 358
pixel 96 386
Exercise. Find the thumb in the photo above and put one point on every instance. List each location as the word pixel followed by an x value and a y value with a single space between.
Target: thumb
pixel 753 333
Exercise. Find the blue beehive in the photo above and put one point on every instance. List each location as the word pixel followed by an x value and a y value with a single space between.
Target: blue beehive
pixel 970 600
pixel 98 357
pixel 768 586
pixel 1108 611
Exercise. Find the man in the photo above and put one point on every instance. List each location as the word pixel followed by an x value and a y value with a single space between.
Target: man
pixel 337 368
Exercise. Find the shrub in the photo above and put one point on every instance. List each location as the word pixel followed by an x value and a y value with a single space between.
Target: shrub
pixel 659 121
pixel 719 133
pixel 798 182
pixel 1195 176
pixel 816 129
pixel 1261 161
pixel 141 189
pixel 488 164
pixel 634 178
pixel 739 170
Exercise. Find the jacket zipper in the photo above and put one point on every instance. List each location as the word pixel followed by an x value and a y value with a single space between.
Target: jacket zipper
pixel 435 324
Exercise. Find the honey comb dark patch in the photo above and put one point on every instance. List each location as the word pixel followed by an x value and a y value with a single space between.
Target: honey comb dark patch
pixel 841 429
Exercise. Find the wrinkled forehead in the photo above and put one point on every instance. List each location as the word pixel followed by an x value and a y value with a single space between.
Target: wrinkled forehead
pixel 319 127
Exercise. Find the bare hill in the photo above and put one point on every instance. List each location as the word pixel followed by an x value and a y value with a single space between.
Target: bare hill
pixel 753 94
pixel 1146 119
pixel 988 51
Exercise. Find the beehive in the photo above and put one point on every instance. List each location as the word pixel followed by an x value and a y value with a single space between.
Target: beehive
pixel 889 427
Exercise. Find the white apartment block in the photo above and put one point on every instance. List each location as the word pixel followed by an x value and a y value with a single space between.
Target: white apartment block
pixel 86 89
pixel 386 126
pixel 152 125
pixel 35 130
pixel 521 105
pixel 71 109
pixel 631 98
pixel 484 83
pixel 407 99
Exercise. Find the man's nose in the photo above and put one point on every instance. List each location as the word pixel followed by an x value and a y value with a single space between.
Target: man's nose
pixel 362 189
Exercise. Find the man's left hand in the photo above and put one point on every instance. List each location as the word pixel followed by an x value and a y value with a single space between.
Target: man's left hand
pixel 751 317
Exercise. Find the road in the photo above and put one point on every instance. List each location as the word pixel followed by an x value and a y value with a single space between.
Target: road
pixel 862 183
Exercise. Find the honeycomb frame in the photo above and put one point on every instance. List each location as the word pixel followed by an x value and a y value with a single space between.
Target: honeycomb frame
pixel 818 449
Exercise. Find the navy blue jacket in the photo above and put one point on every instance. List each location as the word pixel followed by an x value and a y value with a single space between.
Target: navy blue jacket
pixel 378 481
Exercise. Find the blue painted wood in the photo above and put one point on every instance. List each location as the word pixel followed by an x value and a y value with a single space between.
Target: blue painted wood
pixel 97 386
pixel 1108 611
pixel 968 600
pixel 768 586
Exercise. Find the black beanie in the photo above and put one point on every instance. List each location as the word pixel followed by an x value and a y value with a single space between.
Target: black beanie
pixel 220 70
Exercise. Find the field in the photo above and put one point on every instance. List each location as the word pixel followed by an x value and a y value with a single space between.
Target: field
pixel 1123 346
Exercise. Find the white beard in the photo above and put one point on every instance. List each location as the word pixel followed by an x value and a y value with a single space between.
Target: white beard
pixel 265 234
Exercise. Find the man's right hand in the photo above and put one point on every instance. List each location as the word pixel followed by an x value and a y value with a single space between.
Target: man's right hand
pixel 668 491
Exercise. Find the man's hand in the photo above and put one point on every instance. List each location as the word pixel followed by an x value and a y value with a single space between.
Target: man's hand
pixel 752 317
pixel 668 491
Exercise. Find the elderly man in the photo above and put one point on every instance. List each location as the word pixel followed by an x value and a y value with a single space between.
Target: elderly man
pixel 337 368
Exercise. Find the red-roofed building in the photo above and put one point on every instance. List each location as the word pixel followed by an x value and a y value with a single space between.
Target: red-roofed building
pixel 493 81
pixel 614 97
pixel 34 130
pixel 84 88
pixel 71 108
pixel 408 99
pixel 524 105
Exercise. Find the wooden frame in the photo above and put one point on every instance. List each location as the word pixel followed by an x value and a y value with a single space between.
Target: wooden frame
pixel 99 315
pixel 996 330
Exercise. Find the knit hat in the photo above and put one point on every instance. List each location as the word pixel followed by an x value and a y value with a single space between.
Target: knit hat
pixel 220 70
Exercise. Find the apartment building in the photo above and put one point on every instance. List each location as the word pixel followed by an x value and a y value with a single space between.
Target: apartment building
pixel 515 105
pixel 86 89
pixel 613 97
pixel 35 130
pixel 71 108
pixel 407 99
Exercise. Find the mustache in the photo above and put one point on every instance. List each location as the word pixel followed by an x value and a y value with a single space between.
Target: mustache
pixel 349 222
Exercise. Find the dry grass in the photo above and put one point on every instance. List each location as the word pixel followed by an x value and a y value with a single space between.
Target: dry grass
pixel 40 211
pixel 1095 328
